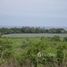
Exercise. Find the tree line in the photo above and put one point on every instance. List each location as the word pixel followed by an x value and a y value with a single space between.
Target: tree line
pixel 31 30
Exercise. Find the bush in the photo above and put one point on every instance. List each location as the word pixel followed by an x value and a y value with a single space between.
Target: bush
pixel 55 38
pixel 65 39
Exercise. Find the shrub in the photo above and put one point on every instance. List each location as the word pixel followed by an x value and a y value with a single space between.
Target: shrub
pixel 55 38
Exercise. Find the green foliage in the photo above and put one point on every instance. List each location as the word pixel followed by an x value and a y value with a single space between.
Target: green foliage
pixel 31 30
pixel 65 38
pixel 56 38
pixel 5 51
pixel 60 55
pixel 38 51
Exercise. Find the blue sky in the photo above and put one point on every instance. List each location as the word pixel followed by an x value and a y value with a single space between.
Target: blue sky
pixel 33 13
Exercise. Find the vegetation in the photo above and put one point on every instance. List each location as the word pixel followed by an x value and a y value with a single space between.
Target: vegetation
pixel 33 52
pixel 31 30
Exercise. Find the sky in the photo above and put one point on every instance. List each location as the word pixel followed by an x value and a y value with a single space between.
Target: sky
pixel 33 13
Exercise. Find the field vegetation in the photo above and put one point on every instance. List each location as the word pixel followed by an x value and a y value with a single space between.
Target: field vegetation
pixel 31 30
pixel 33 52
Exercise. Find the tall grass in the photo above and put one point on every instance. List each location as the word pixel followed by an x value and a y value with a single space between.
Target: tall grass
pixel 33 52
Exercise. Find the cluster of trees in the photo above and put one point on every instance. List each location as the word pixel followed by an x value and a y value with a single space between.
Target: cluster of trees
pixel 31 30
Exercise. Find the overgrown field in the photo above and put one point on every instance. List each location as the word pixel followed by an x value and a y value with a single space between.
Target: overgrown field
pixel 33 52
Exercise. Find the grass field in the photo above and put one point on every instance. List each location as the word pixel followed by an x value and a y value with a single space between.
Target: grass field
pixel 33 52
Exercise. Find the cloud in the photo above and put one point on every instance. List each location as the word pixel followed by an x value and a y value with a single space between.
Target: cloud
pixel 33 11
